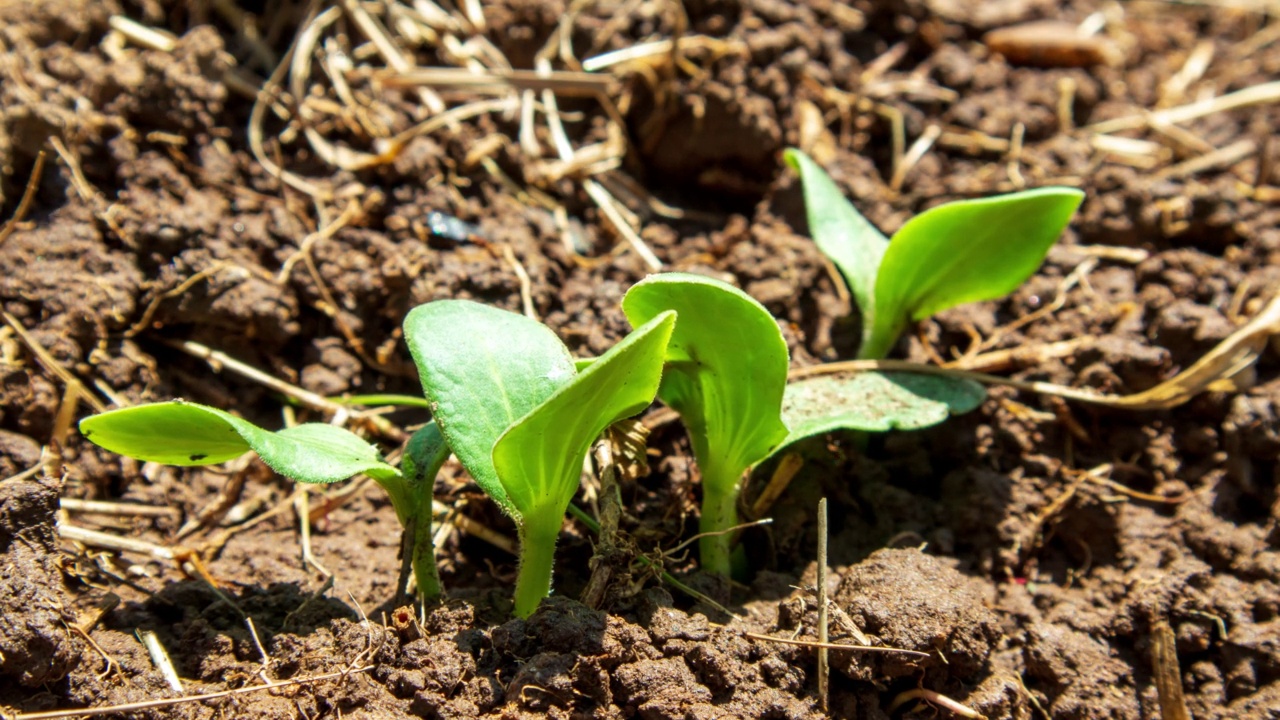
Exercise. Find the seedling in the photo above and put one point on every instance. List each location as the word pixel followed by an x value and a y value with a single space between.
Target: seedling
pixel 960 252
pixel 188 434
pixel 521 416
pixel 726 369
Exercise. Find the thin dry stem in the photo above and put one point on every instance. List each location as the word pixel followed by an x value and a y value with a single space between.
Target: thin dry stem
pixel 170 702
pixel 836 646
pixel 28 195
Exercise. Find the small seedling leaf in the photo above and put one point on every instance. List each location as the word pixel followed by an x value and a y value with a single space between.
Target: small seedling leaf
pixel 540 458
pixel 483 369
pixel 187 434
pixel 726 369
pixel 841 232
pixel 875 402
pixel 964 252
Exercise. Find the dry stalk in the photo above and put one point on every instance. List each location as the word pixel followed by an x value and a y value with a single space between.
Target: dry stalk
pixel 823 637
pixel 938 699
pixel 1164 666
pixel 28 195
pixel 170 702
pixel 1256 95
pixel 147 37
pixel 1213 371
pixel 101 507
pixel 835 646
pixel 788 466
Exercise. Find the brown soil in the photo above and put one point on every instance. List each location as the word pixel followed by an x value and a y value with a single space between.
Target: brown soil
pixel 1036 590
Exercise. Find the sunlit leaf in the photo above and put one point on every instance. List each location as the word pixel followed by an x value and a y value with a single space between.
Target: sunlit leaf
pixel 964 252
pixel 483 368
pixel 183 433
pixel 726 371
pixel 540 458
pixel 841 232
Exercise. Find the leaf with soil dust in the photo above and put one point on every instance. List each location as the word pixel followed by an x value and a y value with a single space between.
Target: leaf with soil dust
pixel 483 369
pixel 875 402
pixel 187 434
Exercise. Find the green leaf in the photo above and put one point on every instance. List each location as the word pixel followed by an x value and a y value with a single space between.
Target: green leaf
pixel 540 458
pixel 964 252
pixel 726 369
pixel 841 232
pixel 483 369
pixel 183 433
pixel 875 402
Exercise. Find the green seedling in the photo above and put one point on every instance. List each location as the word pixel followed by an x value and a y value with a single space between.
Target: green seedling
pixel 521 416
pixel 956 253
pixel 188 434
pixel 726 370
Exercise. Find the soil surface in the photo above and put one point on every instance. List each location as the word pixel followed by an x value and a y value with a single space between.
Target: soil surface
pixel 1042 555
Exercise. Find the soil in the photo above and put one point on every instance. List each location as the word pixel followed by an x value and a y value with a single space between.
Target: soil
pixel 1035 551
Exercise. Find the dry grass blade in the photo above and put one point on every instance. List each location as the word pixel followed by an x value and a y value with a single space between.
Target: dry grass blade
pixel 497 82
pixel 1221 158
pixel 1228 359
pixel 28 195
pixel 1255 95
pixel 170 702
pixel 1164 666
pixel 823 637
pixel 938 699
pixel 142 35
pixel 836 646
pixel 100 507
pixel 160 658
pixel 788 466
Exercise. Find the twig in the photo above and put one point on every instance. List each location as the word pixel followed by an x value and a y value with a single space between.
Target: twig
pixel 836 646
pixel 1221 158
pixel 160 657
pixel 526 285
pixel 913 156
pixel 605 202
pixel 1226 360
pixel 266 659
pixel 606 544
pixel 100 507
pixel 219 360
pixel 499 82
pixel 95 538
pixel 1255 95
pixel 823 637
pixel 184 286
pixel 169 702
pixel 788 466
pixel 140 34
pixel 28 195
pixel 938 699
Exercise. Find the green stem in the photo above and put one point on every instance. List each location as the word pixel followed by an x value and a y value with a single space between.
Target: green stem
pixel 538 535
pixel 719 513
pixel 423 550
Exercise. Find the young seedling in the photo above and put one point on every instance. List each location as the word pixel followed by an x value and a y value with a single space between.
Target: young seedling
pixel 960 252
pixel 188 434
pixel 726 369
pixel 520 416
